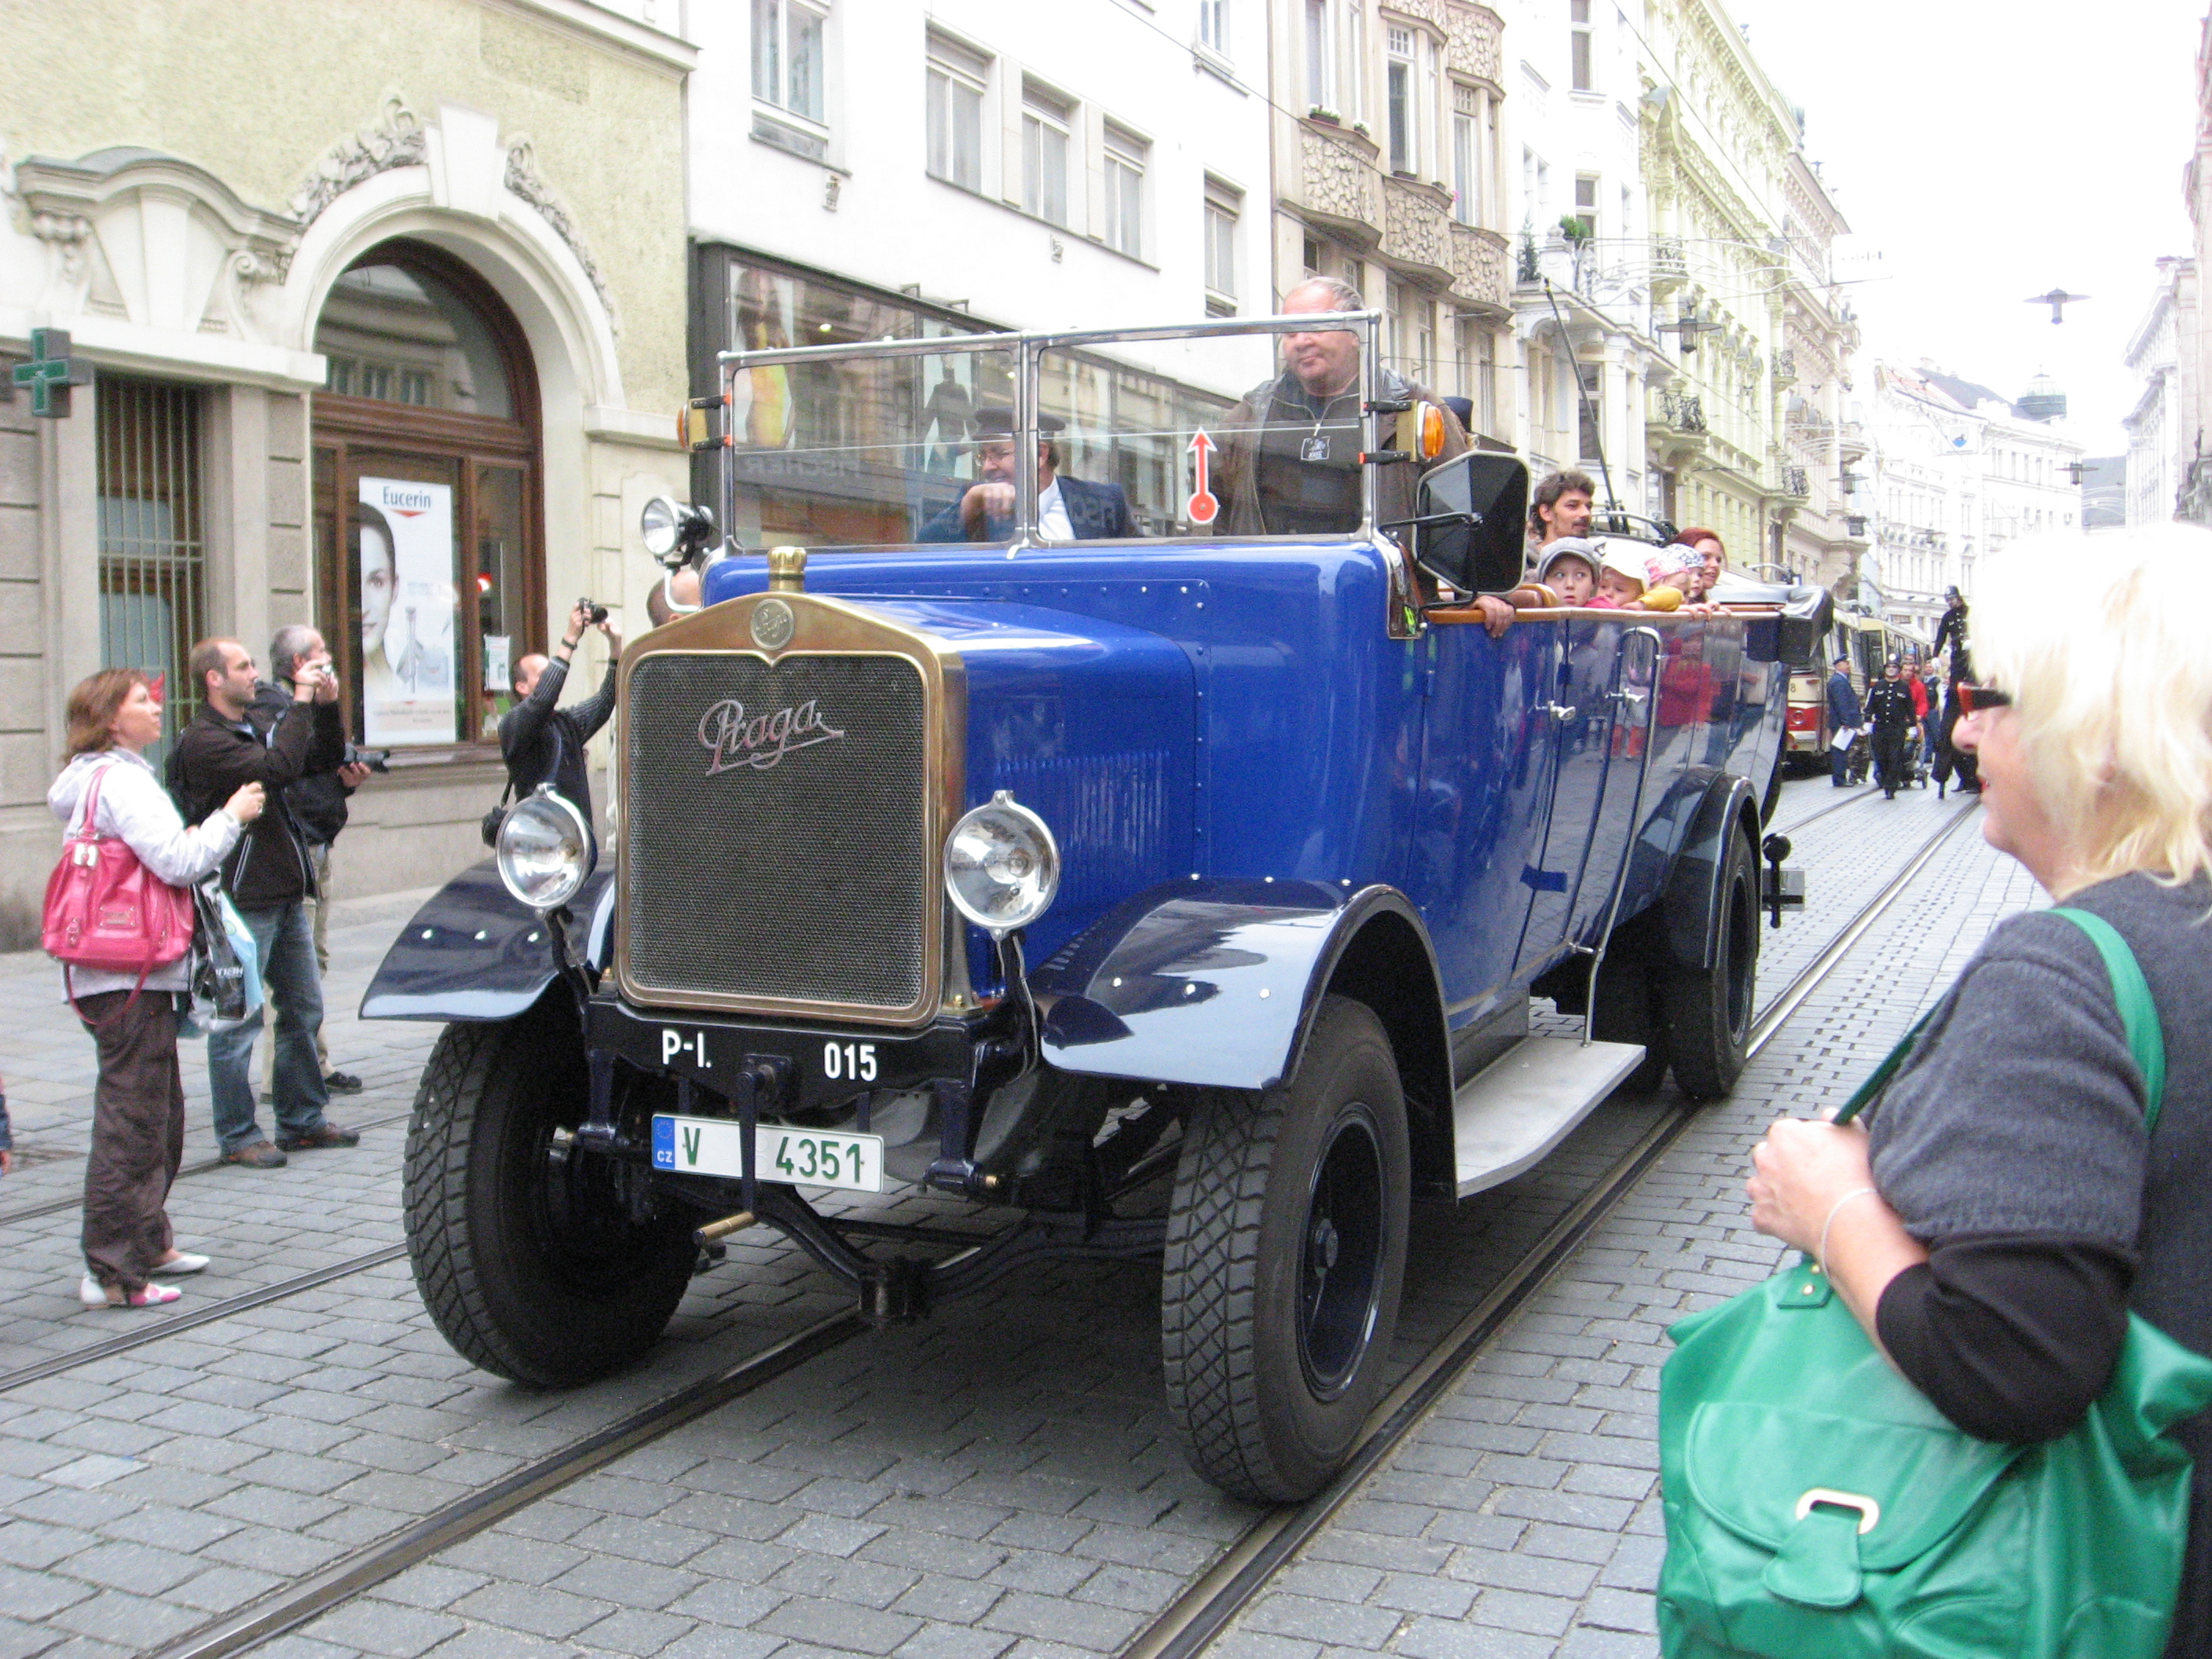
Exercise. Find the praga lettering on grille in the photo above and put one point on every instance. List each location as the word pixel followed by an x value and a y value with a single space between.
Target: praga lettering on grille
pixel 761 741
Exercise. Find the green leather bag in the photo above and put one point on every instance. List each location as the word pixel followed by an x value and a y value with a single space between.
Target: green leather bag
pixel 1819 1507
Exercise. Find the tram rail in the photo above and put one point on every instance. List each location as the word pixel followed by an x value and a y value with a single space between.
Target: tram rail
pixel 1214 1598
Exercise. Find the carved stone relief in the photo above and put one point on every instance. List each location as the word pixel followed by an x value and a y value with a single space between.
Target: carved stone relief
pixel 522 178
pixel 163 242
pixel 395 139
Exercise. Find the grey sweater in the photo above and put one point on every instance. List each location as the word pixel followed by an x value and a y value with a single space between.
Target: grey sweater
pixel 2020 1114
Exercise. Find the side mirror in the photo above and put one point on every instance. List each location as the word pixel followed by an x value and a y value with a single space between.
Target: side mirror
pixel 1807 616
pixel 1473 528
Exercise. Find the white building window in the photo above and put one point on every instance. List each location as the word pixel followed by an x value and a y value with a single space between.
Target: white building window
pixel 1045 123
pixel 1467 155
pixel 787 68
pixel 1125 193
pixel 1402 100
pixel 1583 47
pixel 1321 55
pixel 1586 205
pixel 1225 205
pixel 1213 26
pixel 957 80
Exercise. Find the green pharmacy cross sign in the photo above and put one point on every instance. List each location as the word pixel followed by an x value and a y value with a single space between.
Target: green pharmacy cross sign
pixel 50 373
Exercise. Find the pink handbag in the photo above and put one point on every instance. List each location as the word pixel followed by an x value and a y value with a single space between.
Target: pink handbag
pixel 104 909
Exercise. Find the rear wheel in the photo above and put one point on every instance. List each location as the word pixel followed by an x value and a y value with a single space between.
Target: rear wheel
pixel 1286 1256
pixel 1709 1009
pixel 525 1253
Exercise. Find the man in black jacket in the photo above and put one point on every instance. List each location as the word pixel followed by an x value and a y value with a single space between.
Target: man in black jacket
pixel 270 878
pixel 318 805
pixel 1952 630
pixel 537 739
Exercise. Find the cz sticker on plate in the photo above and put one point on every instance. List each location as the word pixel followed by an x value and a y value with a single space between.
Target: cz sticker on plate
pixel 802 1158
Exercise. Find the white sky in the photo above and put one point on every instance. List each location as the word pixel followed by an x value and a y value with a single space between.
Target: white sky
pixel 1990 150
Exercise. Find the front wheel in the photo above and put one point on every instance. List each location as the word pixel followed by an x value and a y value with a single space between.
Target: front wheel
pixel 525 1255
pixel 1709 1009
pixel 1286 1256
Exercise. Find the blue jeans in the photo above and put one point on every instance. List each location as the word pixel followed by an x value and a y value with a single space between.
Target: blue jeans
pixel 286 939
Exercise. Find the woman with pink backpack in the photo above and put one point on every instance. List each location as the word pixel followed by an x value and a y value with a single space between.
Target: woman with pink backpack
pixel 129 1002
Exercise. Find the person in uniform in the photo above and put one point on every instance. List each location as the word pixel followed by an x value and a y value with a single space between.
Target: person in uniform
pixel 1068 510
pixel 1290 457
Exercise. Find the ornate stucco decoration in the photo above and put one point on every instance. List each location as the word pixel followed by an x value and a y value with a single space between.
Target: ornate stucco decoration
pixel 1416 229
pixel 395 139
pixel 522 178
pixel 1338 181
pixel 149 238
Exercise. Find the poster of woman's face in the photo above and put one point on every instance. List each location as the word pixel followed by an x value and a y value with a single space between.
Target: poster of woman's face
pixel 376 587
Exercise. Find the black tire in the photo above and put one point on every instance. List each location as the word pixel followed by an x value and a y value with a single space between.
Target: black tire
pixel 1274 1357
pixel 529 1265
pixel 1709 1010
pixel 1629 1008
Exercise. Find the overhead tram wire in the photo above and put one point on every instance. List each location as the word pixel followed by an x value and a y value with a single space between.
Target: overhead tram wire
pixel 1221 1592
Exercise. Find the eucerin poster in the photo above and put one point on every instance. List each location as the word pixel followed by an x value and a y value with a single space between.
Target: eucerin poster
pixel 407 610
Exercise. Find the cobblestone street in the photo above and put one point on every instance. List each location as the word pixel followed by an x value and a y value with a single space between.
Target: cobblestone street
pixel 1000 1482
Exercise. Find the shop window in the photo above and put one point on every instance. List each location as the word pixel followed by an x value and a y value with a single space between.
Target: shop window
pixel 153 556
pixel 429 563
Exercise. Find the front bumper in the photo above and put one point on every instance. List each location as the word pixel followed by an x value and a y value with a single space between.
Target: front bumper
pixel 817 1067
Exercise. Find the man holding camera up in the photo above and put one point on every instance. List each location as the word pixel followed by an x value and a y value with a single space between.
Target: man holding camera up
pixel 236 739
pixel 539 740
pixel 318 805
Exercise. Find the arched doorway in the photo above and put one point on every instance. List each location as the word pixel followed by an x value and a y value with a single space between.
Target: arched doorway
pixel 429 544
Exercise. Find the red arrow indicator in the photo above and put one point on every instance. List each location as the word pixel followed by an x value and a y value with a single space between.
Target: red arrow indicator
pixel 1202 509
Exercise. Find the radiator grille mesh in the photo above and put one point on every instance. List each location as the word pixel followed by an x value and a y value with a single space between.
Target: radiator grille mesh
pixel 798 870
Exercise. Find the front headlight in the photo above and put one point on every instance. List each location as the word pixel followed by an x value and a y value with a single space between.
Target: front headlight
pixel 545 849
pixel 673 530
pixel 1001 866
pixel 658 525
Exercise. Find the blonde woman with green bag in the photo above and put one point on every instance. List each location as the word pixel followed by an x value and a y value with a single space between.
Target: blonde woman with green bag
pixel 1964 1424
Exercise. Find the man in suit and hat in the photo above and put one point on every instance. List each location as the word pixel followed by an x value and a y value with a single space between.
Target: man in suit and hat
pixel 1068 510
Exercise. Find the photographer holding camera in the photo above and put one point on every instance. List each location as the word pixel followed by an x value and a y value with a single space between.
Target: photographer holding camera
pixel 318 805
pixel 248 730
pixel 540 741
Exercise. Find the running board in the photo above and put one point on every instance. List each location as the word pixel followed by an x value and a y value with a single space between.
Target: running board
pixel 1524 1102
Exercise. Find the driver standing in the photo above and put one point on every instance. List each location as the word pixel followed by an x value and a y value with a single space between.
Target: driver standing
pixel 1289 459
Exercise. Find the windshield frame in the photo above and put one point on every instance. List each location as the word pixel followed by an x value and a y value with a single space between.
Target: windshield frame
pixel 1028 348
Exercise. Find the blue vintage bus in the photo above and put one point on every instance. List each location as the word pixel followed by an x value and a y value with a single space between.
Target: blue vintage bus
pixel 1159 846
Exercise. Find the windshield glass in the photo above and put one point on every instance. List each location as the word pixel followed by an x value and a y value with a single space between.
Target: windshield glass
pixel 860 452
pixel 1212 434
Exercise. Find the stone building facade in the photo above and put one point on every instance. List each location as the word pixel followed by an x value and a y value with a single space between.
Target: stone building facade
pixel 1741 226
pixel 1582 267
pixel 1390 173
pixel 298 290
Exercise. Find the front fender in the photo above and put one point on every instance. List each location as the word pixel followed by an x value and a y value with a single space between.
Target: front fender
pixel 1216 983
pixel 473 953
pixel 1692 901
